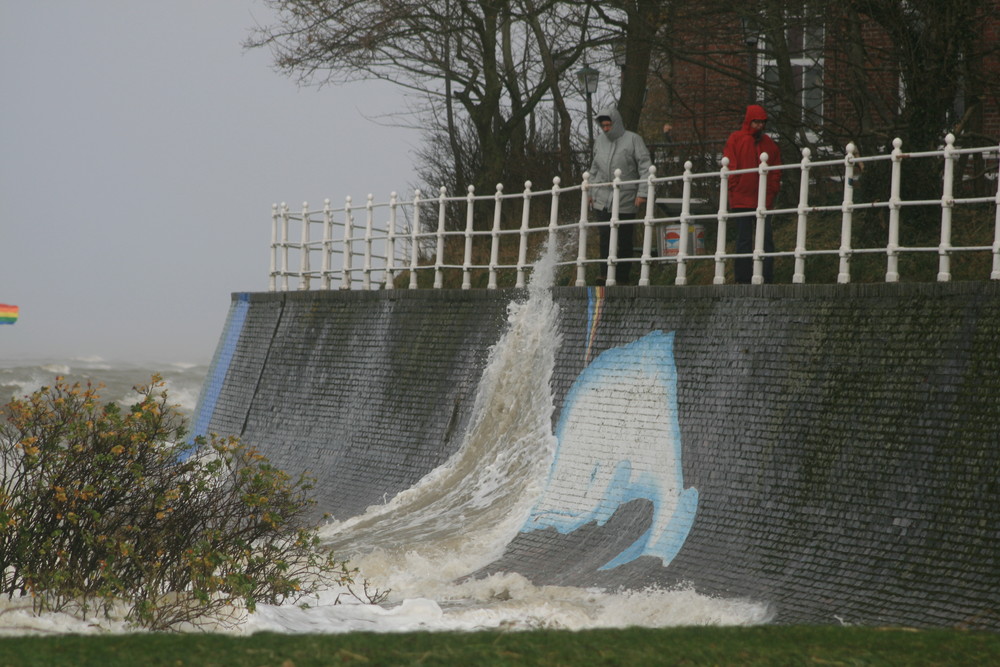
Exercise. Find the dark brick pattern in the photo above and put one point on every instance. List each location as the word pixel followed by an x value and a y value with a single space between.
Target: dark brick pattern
pixel 844 440
pixel 365 391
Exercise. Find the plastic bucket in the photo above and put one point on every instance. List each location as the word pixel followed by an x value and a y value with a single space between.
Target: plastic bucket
pixel 670 240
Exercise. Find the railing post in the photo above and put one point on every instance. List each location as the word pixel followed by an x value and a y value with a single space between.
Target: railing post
pixel 947 203
pixel 554 213
pixel 616 194
pixel 366 282
pixel 414 239
pixel 439 260
pixel 581 248
pixel 522 251
pixel 720 241
pixel 495 236
pixel 682 242
pixel 284 247
pixel 758 241
pixel 347 256
pixel 847 216
pixel 467 260
pixel 390 251
pixel 304 267
pixel 895 203
pixel 327 245
pixel 799 275
pixel 271 279
pixel 995 275
pixel 647 227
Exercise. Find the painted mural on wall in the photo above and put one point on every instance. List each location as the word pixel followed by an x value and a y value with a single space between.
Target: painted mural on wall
pixel 625 403
pixel 219 367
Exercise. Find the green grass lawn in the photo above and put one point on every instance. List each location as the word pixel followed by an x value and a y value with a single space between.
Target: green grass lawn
pixel 762 645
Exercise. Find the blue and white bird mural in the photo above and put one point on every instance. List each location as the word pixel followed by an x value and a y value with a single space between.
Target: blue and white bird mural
pixel 624 402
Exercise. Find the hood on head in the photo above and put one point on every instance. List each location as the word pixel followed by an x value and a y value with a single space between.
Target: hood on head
pixel 754 112
pixel 617 126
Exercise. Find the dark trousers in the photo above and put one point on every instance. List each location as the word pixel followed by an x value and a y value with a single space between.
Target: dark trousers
pixel 746 220
pixel 626 245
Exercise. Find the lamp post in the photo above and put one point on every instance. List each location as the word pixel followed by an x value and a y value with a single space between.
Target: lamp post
pixel 588 77
pixel 750 39
pixel 618 51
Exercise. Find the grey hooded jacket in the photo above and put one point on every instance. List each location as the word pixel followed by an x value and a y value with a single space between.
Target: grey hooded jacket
pixel 618 149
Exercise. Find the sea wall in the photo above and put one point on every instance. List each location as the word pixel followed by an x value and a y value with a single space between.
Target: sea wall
pixel 832 450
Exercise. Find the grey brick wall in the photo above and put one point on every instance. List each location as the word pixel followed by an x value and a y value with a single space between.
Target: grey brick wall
pixel 844 440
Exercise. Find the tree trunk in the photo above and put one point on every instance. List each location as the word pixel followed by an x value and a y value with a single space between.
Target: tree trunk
pixel 644 20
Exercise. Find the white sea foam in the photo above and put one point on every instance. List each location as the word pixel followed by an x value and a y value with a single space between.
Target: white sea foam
pixel 92 359
pixel 184 365
pixel 184 395
pixel 509 601
pixel 114 382
pixel 18 618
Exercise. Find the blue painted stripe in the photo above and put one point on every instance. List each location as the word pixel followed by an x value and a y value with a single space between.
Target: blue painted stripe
pixel 220 365
pixel 595 300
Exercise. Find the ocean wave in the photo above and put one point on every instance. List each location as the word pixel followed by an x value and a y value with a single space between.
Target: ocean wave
pixel 116 381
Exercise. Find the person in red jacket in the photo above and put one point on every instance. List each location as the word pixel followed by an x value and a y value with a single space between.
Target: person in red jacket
pixel 744 148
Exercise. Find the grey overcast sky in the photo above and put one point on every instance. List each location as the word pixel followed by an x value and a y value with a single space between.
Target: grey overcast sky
pixel 141 149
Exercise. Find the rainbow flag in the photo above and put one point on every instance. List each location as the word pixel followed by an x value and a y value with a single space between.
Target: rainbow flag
pixel 8 314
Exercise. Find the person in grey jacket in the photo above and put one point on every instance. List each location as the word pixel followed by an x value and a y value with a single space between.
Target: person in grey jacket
pixel 618 148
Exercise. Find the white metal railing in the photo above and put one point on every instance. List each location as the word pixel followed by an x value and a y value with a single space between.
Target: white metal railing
pixel 380 242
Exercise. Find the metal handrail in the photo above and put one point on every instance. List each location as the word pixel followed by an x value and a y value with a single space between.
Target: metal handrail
pixel 392 238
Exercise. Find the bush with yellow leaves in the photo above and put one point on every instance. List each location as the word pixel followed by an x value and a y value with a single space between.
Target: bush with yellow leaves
pixel 100 507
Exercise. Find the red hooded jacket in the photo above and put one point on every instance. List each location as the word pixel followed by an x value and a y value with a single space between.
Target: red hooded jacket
pixel 743 149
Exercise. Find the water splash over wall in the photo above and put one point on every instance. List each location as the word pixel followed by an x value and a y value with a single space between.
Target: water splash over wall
pixel 462 514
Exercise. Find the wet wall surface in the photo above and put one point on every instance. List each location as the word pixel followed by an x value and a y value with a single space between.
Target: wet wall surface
pixel 844 440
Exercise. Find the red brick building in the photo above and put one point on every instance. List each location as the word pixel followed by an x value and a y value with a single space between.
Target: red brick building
pixel 826 80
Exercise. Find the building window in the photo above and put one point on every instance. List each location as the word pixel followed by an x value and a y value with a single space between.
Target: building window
pixel 804 40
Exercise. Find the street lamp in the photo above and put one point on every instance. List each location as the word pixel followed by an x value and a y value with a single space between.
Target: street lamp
pixel 588 77
pixel 618 51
